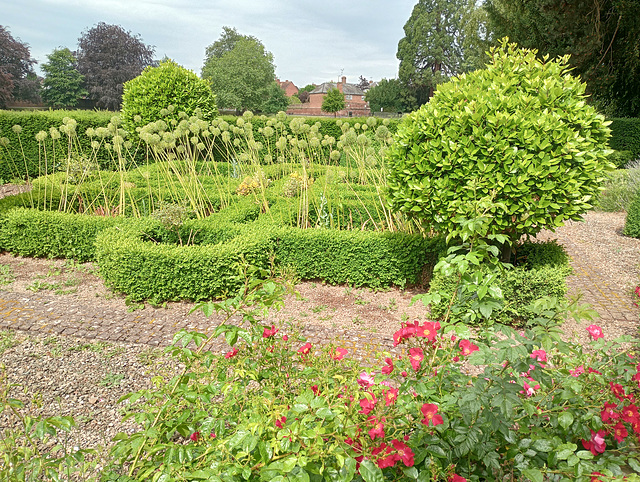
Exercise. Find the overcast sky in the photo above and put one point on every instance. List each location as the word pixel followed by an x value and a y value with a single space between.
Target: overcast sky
pixel 311 41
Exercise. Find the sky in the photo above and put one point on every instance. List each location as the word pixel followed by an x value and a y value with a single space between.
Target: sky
pixel 311 41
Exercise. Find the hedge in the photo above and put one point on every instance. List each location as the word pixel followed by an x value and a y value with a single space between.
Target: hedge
pixel 12 164
pixel 135 258
pixel 541 271
pixel 632 223
pixel 625 135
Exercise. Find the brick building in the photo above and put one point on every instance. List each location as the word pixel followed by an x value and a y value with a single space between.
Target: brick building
pixel 289 87
pixel 356 106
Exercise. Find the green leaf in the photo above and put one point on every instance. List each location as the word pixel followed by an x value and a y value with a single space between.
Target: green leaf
pixel 633 463
pixel 534 475
pixel 370 472
pixel 543 445
pixel 348 470
pixel 565 419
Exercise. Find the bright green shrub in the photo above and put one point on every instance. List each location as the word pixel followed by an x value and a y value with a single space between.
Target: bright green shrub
pixel 542 271
pixel 625 135
pixel 632 223
pixel 359 258
pixel 518 132
pixel 51 234
pixel 159 272
pixel 163 92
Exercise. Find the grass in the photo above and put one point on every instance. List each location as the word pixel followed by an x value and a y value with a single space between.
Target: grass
pixel 111 380
pixel 620 189
pixel 6 274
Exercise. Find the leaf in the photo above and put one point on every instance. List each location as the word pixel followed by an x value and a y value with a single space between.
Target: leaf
pixel 370 472
pixel 348 470
pixel 633 463
pixel 534 475
pixel 543 445
pixel 565 419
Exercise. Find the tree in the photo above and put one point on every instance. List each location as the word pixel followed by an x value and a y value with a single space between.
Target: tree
pixel 303 94
pixel 333 102
pixel 600 35
pixel 240 70
pixel 432 49
pixel 17 78
pixel 363 83
pixel 276 101
pixel 157 88
pixel 109 56
pixel 63 85
pixel 385 96
pixel 517 132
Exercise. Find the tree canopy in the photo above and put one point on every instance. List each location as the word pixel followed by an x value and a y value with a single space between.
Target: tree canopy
pixel 17 78
pixel 276 101
pixel 333 102
pixel 63 85
pixel 385 96
pixel 109 56
pixel 241 71
pixel 434 46
pixel 600 35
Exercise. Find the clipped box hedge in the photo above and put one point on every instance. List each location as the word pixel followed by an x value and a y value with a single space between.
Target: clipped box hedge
pixel 136 258
pixel 542 270
pixel 625 135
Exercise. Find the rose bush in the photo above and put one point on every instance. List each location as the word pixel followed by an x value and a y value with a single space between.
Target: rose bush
pixel 498 405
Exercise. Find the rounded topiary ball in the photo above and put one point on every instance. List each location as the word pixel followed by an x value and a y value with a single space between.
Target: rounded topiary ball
pixel 148 97
pixel 518 132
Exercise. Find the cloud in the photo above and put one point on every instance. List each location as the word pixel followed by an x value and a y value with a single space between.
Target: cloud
pixel 311 41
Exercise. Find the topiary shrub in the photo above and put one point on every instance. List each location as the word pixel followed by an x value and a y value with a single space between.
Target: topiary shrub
pixel 148 97
pixel 518 132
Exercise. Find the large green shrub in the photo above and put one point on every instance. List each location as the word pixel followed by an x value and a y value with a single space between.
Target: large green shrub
pixel 163 92
pixel 518 132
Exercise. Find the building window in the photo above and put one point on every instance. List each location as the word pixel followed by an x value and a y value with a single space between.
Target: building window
pixel 363 97
pixel 348 97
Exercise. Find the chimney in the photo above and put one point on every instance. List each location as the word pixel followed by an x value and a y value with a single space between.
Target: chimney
pixel 341 84
pixel 344 80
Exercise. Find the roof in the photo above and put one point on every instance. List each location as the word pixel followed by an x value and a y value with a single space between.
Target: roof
pixel 347 89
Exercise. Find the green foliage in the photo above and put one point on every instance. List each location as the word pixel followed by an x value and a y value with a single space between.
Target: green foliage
pixel 434 47
pixel 22 157
pixel 240 72
pixel 63 85
pixel 276 100
pixel 632 224
pixel 518 132
pixel 386 96
pixel 148 97
pixel 620 189
pixel 621 158
pixel 599 36
pixel 333 102
pixel 29 232
pixel 625 135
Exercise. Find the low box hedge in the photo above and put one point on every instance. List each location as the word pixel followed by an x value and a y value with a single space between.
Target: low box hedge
pixel 632 223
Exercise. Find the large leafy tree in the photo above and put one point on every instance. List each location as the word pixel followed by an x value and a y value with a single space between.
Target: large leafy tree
pixel 385 96
pixel 241 71
pixel 17 78
pixel 600 35
pixel 63 85
pixel 333 102
pixel 109 56
pixel 434 46
pixel 276 101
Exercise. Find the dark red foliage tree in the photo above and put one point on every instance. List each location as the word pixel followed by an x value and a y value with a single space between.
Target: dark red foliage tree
pixel 17 78
pixel 109 56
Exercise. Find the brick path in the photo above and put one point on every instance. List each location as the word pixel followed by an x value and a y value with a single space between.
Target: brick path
pixel 41 313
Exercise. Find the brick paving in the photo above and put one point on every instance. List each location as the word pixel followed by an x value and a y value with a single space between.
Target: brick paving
pixel 41 313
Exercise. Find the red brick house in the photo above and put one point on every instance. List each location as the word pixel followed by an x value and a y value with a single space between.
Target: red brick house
pixel 289 87
pixel 356 106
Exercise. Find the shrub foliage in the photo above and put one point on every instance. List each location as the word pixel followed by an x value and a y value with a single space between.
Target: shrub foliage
pixel 518 131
